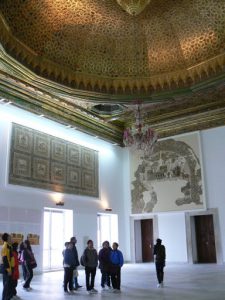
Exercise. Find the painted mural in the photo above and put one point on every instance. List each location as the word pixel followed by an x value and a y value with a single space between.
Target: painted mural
pixel 170 179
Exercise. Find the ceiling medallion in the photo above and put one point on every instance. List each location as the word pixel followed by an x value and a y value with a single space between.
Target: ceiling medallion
pixel 133 7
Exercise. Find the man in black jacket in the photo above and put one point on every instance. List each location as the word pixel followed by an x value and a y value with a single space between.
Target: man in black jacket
pixel 160 259
pixel 76 284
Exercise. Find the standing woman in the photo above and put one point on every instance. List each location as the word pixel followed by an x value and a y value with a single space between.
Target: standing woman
pixel 69 266
pixel 21 261
pixel 15 271
pixel 116 257
pixel 30 263
pixel 104 264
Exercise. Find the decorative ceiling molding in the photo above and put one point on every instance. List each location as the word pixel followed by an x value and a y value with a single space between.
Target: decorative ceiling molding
pixel 40 96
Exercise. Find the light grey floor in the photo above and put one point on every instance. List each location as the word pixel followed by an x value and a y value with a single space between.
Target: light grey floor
pixel 182 281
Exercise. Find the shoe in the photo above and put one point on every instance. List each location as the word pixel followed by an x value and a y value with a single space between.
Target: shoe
pixel 79 286
pixel 68 293
pixel 159 285
pixel 26 289
pixel 162 284
pixel 94 291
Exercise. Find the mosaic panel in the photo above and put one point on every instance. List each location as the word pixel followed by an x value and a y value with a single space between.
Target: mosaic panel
pixel 74 154
pixel 21 165
pixel 40 169
pixel 170 179
pixel 43 161
pixel 41 145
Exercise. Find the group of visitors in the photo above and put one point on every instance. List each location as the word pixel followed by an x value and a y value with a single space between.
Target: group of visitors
pixel 11 258
pixel 110 260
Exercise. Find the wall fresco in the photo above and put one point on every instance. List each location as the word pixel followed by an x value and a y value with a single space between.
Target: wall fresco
pixel 170 179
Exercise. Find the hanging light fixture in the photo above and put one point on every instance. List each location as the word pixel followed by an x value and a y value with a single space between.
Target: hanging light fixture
pixel 140 137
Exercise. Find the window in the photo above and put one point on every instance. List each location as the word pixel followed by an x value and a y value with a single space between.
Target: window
pixel 58 228
pixel 107 228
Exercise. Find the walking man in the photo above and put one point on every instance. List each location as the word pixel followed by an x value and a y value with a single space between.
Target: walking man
pixel 160 258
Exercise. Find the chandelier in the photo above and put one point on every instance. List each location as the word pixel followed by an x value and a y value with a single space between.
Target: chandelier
pixel 133 7
pixel 140 136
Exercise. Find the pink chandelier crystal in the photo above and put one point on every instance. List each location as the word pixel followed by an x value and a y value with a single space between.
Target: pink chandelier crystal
pixel 140 137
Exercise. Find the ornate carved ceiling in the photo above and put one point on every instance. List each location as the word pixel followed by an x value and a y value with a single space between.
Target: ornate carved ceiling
pixel 79 54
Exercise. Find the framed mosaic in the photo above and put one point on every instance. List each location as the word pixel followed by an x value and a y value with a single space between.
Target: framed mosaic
pixel 44 161
pixel 41 145
pixel 170 179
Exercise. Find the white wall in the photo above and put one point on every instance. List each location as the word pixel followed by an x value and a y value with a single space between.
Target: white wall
pixel 172 231
pixel 171 226
pixel 114 178
pixel 17 199
pixel 213 150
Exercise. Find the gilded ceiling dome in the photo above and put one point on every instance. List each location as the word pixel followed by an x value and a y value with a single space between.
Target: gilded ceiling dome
pixel 84 63
pixel 96 45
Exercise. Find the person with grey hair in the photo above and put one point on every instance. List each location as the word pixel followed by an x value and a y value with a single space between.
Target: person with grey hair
pixel 160 259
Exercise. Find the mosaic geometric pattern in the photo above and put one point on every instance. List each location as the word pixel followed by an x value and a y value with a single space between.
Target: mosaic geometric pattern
pixel 43 161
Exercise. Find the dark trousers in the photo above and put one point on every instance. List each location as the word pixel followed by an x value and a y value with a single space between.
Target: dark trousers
pixel 29 276
pixel 24 271
pixel 116 277
pixel 105 280
pixel 7 286
pixel 14 285
pixel 159 271
pixel 68 279
pixel 90 274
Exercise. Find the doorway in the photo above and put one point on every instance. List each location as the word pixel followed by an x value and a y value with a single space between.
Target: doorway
pixel 107 228
pixel 58 228
pixel 143 235
pixel 203 235
pixel 205 239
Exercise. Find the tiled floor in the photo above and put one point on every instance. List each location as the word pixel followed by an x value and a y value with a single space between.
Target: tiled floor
pixel 182 281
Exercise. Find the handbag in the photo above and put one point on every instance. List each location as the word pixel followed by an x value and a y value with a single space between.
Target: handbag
pixel 32 262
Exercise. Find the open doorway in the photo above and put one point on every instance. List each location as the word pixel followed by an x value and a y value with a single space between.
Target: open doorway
pixel 107 228
pixel 58 228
